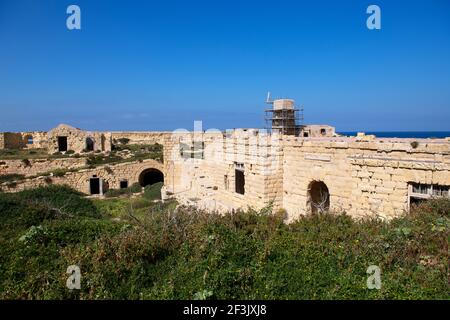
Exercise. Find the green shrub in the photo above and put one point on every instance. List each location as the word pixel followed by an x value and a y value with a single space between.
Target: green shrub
pixel 153 191
pixel 414 144
pixel 59 172
pixel 112 193
pixel 11 177
pixel 186 253
pixel 135 188
pixel 60 197
pixel 123 140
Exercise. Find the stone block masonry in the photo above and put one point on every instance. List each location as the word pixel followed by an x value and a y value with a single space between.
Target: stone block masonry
pixel 225 171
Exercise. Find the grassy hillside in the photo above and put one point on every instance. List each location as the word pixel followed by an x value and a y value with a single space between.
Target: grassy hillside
pixel 135 248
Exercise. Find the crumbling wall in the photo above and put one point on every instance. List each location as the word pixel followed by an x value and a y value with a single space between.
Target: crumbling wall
pixel 13 140
pixel 32 167
pixel 21 140
pixel 316 130
pixel 77 140
pixel 79 180
pixel 39 140
pixel 141 137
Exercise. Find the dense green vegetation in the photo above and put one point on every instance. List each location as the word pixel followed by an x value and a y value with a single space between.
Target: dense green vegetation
pixel 136 248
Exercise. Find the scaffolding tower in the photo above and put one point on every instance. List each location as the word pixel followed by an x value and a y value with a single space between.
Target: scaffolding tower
pixel 284 117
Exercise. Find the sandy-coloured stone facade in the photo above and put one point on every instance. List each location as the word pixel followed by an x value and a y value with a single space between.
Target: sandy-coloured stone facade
pixel 236 169
pixel 65 138
pixel 23 140
pixel 106 176
pixel 363 176
pixel 33 167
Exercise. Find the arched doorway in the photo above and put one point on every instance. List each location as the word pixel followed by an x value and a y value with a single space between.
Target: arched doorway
pixel 318 197
pixel 150 176
pixel 89 144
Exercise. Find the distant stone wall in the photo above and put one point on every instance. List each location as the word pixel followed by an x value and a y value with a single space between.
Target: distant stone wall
pixel 34 167
pixel 2 140
pixel 13 140
pixel 141 137
pixel 78 140
pixel 23 140
pixel 38 139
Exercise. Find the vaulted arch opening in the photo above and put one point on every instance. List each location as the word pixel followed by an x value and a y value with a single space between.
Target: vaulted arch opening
pixel 318 197
pixel 150 176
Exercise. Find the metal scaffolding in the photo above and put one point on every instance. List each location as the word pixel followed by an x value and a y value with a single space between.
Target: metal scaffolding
pixel 288 121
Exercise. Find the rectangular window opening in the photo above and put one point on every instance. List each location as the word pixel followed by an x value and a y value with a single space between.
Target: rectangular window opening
pixel 239 178
pixel 123 184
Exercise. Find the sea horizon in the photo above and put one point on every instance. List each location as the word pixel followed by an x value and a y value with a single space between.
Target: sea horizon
pixel 400 134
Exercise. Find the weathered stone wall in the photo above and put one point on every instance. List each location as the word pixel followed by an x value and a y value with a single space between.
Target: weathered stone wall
pixel 13 140
pixel 363 177
pixel 316 130
pixel 34 167
pixel 38 138
pixel 21 140
pixel 142 137
pixel 208 181
pixel 2 140
pixel 77 139
pixel 79 180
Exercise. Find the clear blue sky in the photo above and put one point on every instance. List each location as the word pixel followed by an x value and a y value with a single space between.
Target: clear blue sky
pixel 160 65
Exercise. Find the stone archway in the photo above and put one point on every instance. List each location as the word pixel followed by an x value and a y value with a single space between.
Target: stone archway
pixel 318 197
pixel 150 176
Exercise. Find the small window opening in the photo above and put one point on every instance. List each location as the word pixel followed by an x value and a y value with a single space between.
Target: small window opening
pixel 29 139
pixel 123 184
pixel 239 178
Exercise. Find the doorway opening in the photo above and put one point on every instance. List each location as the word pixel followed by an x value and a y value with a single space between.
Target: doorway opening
pixel 318 197
pixel 94 185
pixel 89 144
pixel 62 144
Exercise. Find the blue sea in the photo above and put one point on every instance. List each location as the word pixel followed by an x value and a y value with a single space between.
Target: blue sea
pixel 403 134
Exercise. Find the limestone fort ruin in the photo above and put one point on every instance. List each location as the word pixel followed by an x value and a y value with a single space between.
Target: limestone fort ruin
pixel 298 168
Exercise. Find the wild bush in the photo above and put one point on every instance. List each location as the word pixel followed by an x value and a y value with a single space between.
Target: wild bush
pixel 180 252
pixel 153 191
